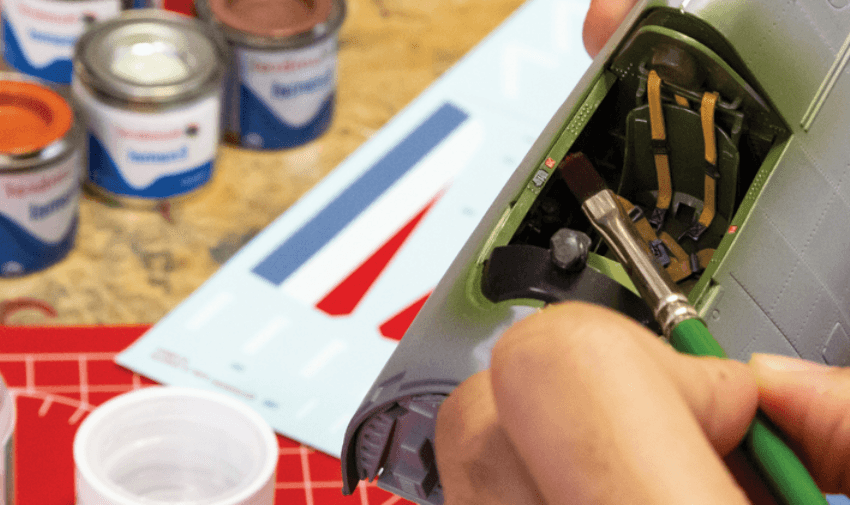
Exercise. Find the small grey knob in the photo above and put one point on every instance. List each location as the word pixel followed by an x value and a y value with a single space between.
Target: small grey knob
pixel 569 249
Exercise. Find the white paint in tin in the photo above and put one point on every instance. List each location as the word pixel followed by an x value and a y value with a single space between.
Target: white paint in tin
pixel 150 63
pixel 150 154
pixel 39 35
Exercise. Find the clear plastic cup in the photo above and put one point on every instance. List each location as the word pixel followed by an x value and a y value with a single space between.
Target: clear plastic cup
pixel 7 431
pixel 166 445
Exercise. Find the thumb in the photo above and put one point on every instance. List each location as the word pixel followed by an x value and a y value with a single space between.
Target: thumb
pixel 810 404
pixel 603 18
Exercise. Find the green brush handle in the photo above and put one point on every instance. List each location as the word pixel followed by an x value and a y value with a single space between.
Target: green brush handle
pixel 788 479
pixel 692 337
pixel 783 471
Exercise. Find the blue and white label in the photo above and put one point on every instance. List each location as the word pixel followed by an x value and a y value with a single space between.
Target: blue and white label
pixel 283 98
pixel 38 216
pixel 39 35
pixel 150 155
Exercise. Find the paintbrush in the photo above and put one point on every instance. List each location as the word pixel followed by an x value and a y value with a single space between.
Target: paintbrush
pixel 786 476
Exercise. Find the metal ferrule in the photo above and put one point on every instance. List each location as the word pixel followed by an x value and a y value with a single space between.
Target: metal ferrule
pixel 655 286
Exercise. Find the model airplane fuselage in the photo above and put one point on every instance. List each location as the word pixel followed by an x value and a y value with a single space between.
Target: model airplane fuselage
pixel 722 123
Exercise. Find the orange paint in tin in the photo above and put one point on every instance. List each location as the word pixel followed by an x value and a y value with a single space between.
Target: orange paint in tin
pixel 31 117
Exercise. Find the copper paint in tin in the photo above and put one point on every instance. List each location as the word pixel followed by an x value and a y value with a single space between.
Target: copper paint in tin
pixel 149 84
pixel 282 87
pixel 40 172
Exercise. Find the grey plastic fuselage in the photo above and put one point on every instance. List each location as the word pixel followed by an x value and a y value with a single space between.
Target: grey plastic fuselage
pixel 782 284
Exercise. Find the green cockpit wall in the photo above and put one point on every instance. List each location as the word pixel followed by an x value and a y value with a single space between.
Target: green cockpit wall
pixel 613 128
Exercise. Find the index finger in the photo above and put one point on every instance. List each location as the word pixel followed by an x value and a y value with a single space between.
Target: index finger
pixel 587 399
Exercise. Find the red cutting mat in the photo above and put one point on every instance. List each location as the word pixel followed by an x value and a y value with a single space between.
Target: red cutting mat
pixel 59 375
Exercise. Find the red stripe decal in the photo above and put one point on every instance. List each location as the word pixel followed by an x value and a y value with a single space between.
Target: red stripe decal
pixel 346 295
pixel 396 326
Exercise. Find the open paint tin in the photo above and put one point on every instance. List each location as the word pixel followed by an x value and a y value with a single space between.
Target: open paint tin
pixel 282 87
pixel 149 84
pixel 39 35
pixel 40 172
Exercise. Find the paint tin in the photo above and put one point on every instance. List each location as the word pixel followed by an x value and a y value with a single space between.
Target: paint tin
pixel 149 84
pixel 7 430
pixel 40 172
pixel 282 87
pixel 39 35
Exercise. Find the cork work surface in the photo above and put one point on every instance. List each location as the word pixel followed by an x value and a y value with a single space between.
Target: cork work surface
pixel 134 266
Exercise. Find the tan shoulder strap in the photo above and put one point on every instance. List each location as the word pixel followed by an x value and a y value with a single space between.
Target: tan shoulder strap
pixel 659 149
pixel 709 101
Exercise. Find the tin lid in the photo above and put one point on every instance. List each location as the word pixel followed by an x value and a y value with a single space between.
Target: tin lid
pixel 150 55
pixel 272 18
pixel 31 117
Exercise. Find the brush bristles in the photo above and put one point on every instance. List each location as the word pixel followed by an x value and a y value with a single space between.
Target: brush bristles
pixel 581 177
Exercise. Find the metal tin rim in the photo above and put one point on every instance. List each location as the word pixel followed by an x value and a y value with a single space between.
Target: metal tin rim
pixel 7 415
pixel 319 32
pixel 58 150
pixel 92 67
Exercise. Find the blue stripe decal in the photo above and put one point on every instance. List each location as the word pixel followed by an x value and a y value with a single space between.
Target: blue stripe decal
pixel 317 232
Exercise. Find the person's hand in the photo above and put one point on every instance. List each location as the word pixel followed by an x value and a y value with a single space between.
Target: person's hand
pixel 603 17
pixel 582 405
pixel 810 404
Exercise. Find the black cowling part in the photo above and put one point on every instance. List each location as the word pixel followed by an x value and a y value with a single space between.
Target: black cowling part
pixel 527 271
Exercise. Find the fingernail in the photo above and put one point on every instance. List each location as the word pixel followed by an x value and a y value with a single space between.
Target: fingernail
pixel 781 363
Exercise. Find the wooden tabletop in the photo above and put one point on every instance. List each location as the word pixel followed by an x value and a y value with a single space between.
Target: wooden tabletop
pixel 133 266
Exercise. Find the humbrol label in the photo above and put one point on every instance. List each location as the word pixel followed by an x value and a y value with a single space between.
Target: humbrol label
pixel 151 155
pixel 38 216
pixel 286 98
pixel 39 35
